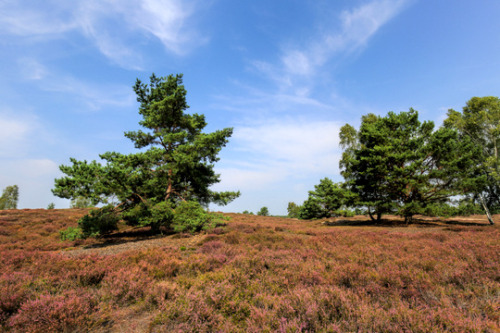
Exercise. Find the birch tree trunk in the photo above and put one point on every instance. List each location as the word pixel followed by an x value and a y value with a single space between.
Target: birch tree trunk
pixel 488 214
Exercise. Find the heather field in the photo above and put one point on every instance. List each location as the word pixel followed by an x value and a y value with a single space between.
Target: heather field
pixel 255 274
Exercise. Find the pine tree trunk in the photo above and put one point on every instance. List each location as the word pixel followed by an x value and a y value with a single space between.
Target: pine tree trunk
pixel 371 215
pixel 488 214
pixel 169 186
pixel 379 215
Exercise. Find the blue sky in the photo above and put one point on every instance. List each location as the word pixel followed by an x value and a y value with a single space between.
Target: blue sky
pixel 286 74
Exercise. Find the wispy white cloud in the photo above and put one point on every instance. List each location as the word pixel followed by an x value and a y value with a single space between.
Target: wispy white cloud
pixel 259 102
pixel 34 18
pixel 357 26
pixel 300 144
pixel 31 68
pixel 111 25
pixel 297 63
pixel 278 149
pixel 284 157
pixel 166 20
pixel 278 161
pixel 95 96
pixel 16 131
pixel 360 24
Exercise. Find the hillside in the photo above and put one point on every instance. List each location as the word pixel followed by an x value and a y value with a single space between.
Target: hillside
pixel 254 274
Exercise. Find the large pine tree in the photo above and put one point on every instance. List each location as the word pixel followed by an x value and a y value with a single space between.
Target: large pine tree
pixel 398 164
pixel 175 164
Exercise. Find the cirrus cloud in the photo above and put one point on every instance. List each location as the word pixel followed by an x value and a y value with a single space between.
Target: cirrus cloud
pixel 104 22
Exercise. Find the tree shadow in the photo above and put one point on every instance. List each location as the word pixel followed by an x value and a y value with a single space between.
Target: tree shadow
pixel 129 236
pixel 364 223
pixel 419 222
pixel 466 223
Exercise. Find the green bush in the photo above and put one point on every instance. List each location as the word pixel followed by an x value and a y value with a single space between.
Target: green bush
pixel 464 208
pixel 345 213
pixel 360 211
pixel 155 216
pixel 71 233
pixel 159 215
pixel 51 205
pixel 293 210
pixel 310 209
pixel 264 211
pixel 99 222
pixel 133 216
pixel 190 217
pixel 440 209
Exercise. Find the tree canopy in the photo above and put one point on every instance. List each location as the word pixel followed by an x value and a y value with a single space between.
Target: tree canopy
pixel 480 122
pixel 264 211
pixel 175 162
pixel 9 198
pixel 325 200
pixel 398 164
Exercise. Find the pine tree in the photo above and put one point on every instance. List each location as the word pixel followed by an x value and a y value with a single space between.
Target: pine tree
pixel 175 163
pixel 398 164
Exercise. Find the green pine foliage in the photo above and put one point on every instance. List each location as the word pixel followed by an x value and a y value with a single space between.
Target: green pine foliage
pixel 99 222
pixel 175 163
pixel 465 207
pixel 264 211
pixel 191 217
pixel 71 234
pixel 398 164
pixel 327 200
pixel 310 209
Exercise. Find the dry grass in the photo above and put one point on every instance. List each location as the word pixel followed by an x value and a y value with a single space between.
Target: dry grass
pixel 257 274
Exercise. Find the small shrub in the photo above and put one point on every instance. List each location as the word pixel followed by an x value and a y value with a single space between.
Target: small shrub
pixel 360 211
pixel 71 234
pixel 468 208
pixel 155 216
pixel 12 293
pixel 464 208
pixel 99 222
pixel 161 214
pixel 440 209
pixel 264 211
pixel 51 205
pixel 190 216
pixel 345 213
pixel 81 202
pixel 55 313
